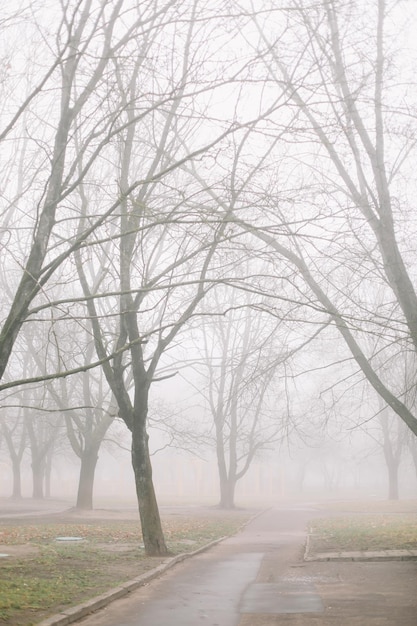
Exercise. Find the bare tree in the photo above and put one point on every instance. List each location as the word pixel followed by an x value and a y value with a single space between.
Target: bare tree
pixel 88 411
pixel 157 258
pixel 76 96
pixel 43 431
pixel 137 354
pixel 239 361
pixel 125 91
pixel 347 232
pixel 13 432
pixel 86 433
pixel 83 32
pixel 394 439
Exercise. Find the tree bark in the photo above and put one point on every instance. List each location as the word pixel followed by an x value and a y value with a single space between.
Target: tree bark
pixel 17 479
pixel 153 537
pixel 393 445
pixel 89 460
pixel 393 490
pixel 413 451
pixel 392 460
pixel 38 477
pixel 227 493
pixel 16 454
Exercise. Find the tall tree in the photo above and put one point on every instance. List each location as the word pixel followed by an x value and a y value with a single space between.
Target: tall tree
pixel 83 400
pixel 133 84
pixel 14 434
pixel 84 31
pixel 347 231
pixel 239 362
pixel 393 445
pixel 83 49
pixel 158 260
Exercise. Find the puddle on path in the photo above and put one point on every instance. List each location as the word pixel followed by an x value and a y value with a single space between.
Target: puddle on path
pixel 279 598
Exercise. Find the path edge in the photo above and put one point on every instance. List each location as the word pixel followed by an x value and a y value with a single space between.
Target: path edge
pixel 75 613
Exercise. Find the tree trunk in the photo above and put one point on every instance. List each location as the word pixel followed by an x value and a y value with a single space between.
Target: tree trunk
pixel 226 482
pixel 89 460
pixel 38 476
pixel 393 491
pixel 392 447
pixel 48 471
pixel 153 537
pixel 17 480
pixel 227 493
pixel 413 451
pixel 300 477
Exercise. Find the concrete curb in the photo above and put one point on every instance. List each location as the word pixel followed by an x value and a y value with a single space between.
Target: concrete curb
pixel 306 556
pixel 89 606
pixel 364 555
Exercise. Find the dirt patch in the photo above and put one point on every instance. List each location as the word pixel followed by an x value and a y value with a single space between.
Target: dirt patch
pixel 115 547
pixel 18 551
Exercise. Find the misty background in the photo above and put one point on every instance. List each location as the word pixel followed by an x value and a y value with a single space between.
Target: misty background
pixel 208 251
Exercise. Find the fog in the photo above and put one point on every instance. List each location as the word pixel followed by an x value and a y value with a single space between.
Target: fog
pixel 336 458
pixel 307 474
pixel 208 257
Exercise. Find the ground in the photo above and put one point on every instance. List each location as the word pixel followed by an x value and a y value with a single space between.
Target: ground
pixel 41 576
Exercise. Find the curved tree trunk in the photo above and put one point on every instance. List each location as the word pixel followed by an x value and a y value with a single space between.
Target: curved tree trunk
pixel 153 537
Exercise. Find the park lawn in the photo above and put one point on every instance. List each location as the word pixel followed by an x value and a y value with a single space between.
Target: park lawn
pixel 364 532
pixel 42 576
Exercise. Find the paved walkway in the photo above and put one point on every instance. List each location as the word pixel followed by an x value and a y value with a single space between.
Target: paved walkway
pixel 259 578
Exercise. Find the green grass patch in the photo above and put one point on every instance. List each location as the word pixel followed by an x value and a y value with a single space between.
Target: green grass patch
pixel 32 584
pixel 364 532
pixel 52 577
pixel 200 532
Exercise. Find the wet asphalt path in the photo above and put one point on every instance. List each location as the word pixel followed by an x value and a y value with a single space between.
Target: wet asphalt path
pixel 259 578
pixel 215 587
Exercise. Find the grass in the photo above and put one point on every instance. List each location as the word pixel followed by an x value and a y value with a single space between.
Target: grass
pixel 54 577
pixel 364 532
pixel 197 529
pixel 42 576
pixel 50 576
